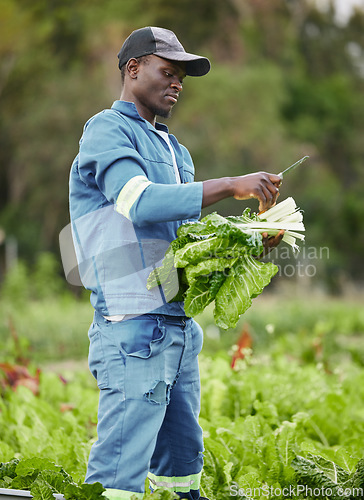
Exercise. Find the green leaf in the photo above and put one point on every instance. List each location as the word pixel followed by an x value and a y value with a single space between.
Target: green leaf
pixel 216 280
pixel 251 484
pixel 246 280
pixel 84 491
pixel 41 490
pixel 5 482
pixel 162 274
pixel 286 447
pixel 58 480
pixel 286 442
pixel 31 465
pixel 197 297
pixel 206 267
pixel 193 253
pixel 317 472
pixel 8 469
pixel 24 482
pixel 357 479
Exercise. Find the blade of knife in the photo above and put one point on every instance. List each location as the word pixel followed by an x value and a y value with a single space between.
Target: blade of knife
pixel 291 167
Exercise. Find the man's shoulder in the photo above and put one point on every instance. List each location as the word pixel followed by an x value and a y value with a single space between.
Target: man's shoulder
pixel 109 118
pixel 105 114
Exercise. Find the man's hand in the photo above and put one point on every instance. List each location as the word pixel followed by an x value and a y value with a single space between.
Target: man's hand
pixel 263 186
pixel 270 242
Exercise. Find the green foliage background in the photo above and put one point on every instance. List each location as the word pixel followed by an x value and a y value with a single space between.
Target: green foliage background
pixel 286 80
pixel 297 393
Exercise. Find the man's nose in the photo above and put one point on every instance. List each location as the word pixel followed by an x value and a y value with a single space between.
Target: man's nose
pixel 176 84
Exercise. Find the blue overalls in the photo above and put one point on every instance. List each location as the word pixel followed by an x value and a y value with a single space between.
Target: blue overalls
pixel 125 208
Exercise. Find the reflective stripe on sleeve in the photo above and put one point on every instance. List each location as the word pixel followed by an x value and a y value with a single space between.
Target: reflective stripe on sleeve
pixel 182 484
pixel 130 193
pixel 112 494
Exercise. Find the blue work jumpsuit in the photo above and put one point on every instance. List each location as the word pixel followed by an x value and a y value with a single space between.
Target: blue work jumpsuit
pixel 125 208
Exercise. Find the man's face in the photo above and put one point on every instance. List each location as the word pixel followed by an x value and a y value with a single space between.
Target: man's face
pixel 157 86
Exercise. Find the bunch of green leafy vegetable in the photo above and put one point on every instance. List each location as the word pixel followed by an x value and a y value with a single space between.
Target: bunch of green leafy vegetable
pixel 43 478
pixel 46 481
pixel 217 260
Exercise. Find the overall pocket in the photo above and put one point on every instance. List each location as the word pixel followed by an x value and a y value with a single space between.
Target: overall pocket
pixel 106 361
pixel 142 337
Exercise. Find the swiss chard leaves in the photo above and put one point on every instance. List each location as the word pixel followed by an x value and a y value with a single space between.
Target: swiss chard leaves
pixel 316 472
pixel 217 262
pixel 246 280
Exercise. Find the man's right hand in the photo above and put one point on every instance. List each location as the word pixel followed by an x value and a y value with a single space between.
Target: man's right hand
pixel 261 185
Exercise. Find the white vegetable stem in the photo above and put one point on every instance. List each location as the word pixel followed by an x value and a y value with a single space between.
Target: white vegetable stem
pixel 285 215
pixel 283 211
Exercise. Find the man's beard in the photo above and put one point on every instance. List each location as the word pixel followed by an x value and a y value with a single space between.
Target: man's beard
pixel 163 113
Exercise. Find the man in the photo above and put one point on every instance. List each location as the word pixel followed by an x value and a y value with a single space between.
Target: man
pixel 131 187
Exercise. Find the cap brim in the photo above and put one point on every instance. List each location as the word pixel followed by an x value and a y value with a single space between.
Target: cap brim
pixel 195 65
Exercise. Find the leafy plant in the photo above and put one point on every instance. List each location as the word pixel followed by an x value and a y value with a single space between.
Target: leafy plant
pixel 322 476
pixel 43 478
pixel 217 260
pixel 279 409
pixel 58 422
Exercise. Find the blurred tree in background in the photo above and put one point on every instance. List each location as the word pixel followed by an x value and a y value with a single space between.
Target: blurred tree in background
pixel 287 80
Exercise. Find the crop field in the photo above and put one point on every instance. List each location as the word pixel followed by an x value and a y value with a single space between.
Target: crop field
pixel 282 365
pixel 282 396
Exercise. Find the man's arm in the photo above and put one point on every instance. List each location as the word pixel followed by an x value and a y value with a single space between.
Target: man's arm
pixel 261 185
pixel 167 202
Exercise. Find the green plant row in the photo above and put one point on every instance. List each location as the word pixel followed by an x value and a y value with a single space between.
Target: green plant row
pixel 57 422
pixel 263 420
pixel 272 423
pixel 312 329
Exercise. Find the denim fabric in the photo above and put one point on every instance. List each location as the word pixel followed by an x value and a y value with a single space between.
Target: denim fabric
pixel 148 375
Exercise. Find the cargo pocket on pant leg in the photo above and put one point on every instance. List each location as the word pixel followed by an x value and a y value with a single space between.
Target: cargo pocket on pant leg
pixel 145 360
pixel 96 358
pixel 106 360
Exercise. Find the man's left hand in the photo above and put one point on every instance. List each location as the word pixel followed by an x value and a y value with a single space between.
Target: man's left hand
pixel 270 242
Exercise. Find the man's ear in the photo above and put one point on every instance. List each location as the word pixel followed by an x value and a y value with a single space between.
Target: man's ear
pixel 132 67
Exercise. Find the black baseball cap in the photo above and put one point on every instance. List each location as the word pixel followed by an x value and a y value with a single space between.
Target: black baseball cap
pixel 163 43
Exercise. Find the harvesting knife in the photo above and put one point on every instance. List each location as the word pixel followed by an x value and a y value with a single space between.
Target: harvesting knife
pixel 281 174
